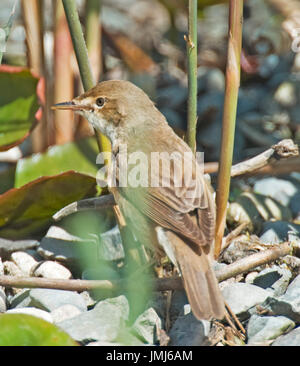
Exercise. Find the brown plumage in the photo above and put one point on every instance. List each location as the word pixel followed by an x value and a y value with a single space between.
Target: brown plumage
pixel 160 217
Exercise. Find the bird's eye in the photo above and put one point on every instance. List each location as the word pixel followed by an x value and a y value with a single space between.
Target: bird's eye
pixel 100 102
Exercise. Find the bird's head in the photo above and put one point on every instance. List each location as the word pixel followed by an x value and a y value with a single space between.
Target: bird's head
pixel 112 107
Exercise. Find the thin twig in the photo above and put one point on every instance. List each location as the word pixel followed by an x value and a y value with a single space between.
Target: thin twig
pixel 159 284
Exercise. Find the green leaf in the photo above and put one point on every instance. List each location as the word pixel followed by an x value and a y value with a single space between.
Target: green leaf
pixel 29 209
pixel 78 156
pixel 21 93
pixel 27 330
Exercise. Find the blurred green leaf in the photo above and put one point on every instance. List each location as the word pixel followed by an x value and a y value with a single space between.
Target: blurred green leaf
pixel 19 104
pixel 29 209
pixel 79 156
pixel 27 330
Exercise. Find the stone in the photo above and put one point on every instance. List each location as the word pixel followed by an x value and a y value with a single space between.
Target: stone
pixel 64 312
pixel 24 261
pixel 63 247
pixel 188 331
pixel 274 278
pixel 286 94
pixel 51 269
pixel 49 299
pixel 265 328
pixel 111 247
pixel 7 247
pixel 288 304
pixel 21 299
pixel 103 323
pixel 281 190
pixel 3 301
pixel 11 269
pixel 146 326
pixel 279 231
pixel 295 206
pixel 34 312
pixel 241 297
pixel 292 339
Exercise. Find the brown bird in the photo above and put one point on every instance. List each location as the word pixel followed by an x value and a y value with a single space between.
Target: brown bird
pixel 180 219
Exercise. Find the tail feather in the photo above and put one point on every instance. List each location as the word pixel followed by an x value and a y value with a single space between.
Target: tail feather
pixel 199 280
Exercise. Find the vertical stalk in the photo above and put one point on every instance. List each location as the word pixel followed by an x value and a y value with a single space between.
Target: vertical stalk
pixel 191 41
pixel 82 58
pixel 33 21
pixel 229 116
pixel 93 36
pixel 64 78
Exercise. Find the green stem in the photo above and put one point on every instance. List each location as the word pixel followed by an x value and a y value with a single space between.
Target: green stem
pixel 192 75
pixel 82 58
pixel 229 116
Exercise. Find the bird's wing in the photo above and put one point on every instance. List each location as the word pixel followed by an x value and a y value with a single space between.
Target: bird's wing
pixel 171 207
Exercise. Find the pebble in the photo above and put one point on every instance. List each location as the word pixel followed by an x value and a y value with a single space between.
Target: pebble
pixel 291 339
pixel 147 325
pixel 264 328
pixel 241 297
pixel 286 94
pixel 64 312
pixel 188 331
pixel 3 301
pixel 274 278
pixel 24 261
pixel 111 247
pixel 51 269
pixel 7 247
pixel 21 299
pixel 288 304
pixel 34 312
pixel 49 299
pixel 103 323
pixel 63 247
pixel 281 190
pixel 279 231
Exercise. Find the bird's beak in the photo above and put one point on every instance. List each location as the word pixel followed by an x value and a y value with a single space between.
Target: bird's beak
pixel 68 106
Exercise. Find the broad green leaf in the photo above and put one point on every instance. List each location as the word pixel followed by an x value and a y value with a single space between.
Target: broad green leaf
pixel 79 156
pixel 21 93
pixel 27 330
pixel 29 209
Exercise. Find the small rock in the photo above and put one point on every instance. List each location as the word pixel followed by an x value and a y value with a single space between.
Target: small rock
pixel 64 312
pixel 279 231
pixel 8 246
pixel 291 339
pixel 21 299
pixel 104 323
pixel 275 278
pixel 49 299
pixel 147 325
pixel 34 312
pixel 188 331
pixel 281 190
pixel 24 261
pixel 250 277
pixel 89 301
pixel 287 304
pixel 286 94
pixel 3 301
pixel 241 297
pixel 111 247
pixel 295 206
pixel 264 328
pixel 51 269
pixel 63 247
pixel 11 269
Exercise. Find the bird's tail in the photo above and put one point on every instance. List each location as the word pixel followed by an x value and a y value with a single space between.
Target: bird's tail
pixel 199 280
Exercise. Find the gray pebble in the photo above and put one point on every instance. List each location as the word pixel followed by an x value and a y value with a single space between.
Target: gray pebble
pixel 8 246
pixel 281 190
pixel 51 269
pixel 265 328
pixel 146 326
pixel 279 231
pixel 49 299
pixel 292 339
pixel 64 312
pixel 241 297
